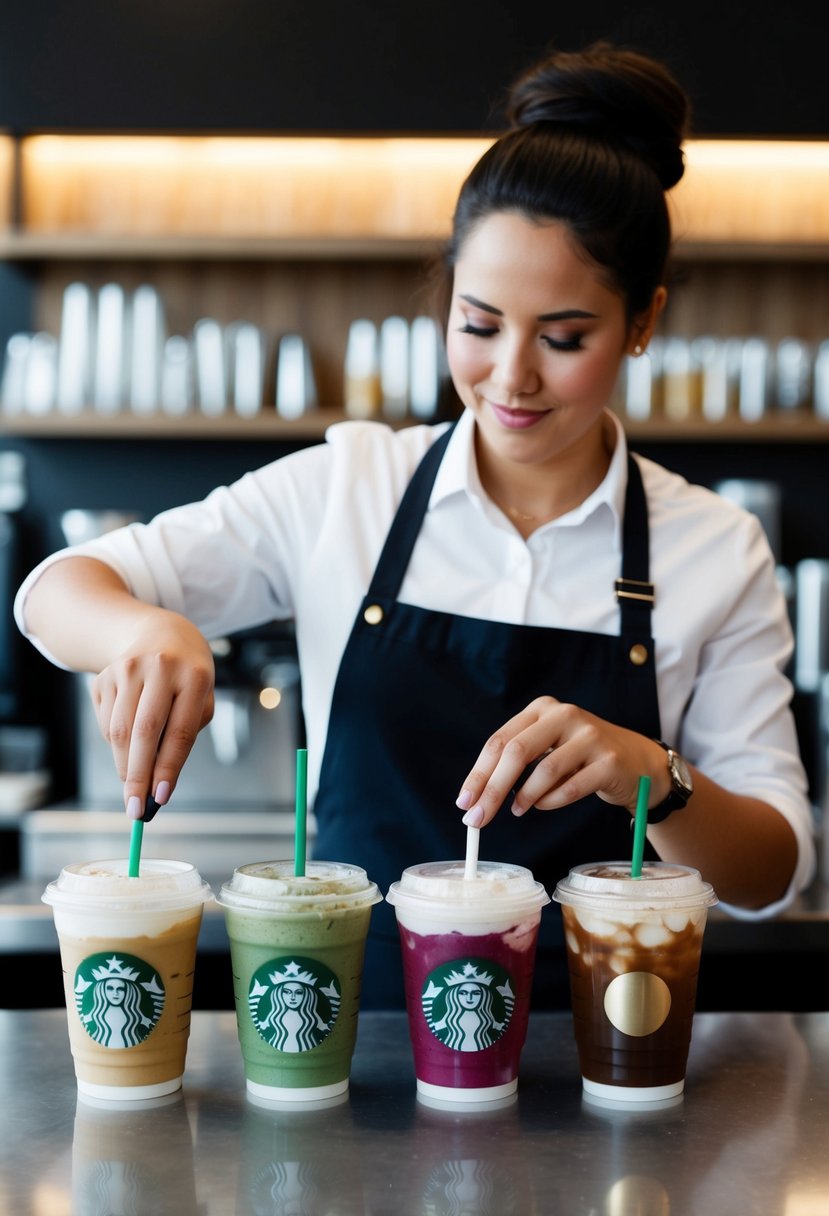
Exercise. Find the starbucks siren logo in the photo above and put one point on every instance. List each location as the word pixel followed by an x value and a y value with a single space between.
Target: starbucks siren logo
pixel 294 1002
pixel 468 1003
pixel 119 999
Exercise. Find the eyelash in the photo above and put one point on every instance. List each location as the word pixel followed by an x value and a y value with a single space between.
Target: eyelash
pixel 574 343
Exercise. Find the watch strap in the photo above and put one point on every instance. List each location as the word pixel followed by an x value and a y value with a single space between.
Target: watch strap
pixel 677 797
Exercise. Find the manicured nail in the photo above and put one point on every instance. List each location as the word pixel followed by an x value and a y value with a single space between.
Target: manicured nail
pixel 464 800
pixel 474 817
pixel 134 807
pixel 517 810
pixel 162 793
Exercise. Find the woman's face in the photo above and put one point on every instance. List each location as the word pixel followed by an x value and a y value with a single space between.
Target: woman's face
pixel 469 996
pixel 535 338
pixel 115 991
pixel 292 995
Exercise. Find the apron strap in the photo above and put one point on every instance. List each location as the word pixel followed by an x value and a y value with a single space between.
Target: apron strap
pixel 403 533
pixel 634 590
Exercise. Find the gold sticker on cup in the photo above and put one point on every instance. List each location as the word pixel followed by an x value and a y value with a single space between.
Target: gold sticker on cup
pixel 373 615
pixel 637 1003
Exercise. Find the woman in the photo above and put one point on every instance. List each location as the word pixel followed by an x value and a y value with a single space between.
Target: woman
pixel 511 613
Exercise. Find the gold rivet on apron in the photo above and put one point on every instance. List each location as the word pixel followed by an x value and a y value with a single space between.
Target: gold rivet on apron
pixel 638 654
pixel 373 615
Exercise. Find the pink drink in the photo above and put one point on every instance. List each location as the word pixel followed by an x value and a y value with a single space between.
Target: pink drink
pixel 468 950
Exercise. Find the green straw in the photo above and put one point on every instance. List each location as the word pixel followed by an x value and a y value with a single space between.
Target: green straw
pixel 135 847
pixel 640 826
pixel 301 811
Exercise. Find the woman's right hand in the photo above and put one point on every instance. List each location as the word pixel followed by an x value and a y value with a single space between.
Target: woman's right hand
pixel 154 688
pixel 152 701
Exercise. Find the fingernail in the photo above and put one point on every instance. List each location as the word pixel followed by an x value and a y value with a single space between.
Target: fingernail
pixel 162 793
pixel 134 807
pixel 517 810
pixel 464 800
pixel 474 817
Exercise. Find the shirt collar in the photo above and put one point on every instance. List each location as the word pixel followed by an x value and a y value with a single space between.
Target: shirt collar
pixel 458 474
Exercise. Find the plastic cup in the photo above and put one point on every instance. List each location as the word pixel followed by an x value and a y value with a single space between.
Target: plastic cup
pixel 468 948
pixel 297 947
pixel 128 950
pixel 633 949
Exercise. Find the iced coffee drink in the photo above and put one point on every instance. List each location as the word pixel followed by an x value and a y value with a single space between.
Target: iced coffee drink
pixel 633 948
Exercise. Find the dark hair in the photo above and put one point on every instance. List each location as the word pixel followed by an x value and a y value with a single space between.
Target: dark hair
pixel 595 141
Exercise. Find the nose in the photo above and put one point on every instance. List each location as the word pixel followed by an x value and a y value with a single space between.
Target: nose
pixel 515 369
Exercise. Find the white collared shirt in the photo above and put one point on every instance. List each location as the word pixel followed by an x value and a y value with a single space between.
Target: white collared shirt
pixel 300 537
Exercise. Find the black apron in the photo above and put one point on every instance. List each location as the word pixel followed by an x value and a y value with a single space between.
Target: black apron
pixel 417 695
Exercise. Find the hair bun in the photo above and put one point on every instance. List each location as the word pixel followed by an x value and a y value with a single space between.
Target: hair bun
pixel 606 93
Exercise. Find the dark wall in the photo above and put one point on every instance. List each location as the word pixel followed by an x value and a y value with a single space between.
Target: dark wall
pixel 368 65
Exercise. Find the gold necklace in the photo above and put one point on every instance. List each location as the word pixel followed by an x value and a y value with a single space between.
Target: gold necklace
pixel 527 519
pixel 513 512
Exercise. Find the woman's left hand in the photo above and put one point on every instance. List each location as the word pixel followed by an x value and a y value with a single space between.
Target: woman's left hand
pixel 571 753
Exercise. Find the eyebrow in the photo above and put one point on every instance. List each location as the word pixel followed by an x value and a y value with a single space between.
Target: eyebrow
pixel 566 314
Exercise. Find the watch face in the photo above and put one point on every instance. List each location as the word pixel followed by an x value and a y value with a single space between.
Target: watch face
pixel 680 773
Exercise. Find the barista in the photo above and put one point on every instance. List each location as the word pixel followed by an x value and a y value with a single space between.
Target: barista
pixel 506 620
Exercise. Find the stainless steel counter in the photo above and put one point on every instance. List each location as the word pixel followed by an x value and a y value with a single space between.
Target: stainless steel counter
pixel 749 1138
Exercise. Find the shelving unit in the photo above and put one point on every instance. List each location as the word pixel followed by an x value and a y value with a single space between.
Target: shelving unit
pixel 125 425
pixel 304 235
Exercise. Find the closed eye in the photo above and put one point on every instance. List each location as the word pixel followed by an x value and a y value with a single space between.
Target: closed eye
pixel 573 343
pixel 478 331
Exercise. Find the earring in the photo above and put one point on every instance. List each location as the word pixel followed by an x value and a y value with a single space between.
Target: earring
pixel 637 350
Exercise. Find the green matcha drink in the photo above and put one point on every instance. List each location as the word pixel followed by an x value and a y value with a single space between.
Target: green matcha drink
pixel 296 948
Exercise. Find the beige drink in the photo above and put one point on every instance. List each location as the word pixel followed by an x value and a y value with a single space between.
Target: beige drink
pixel 128 949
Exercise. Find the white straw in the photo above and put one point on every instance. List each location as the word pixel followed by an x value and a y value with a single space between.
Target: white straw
pixel 473 836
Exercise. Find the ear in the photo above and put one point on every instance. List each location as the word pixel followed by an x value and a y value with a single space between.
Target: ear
pixel 644 323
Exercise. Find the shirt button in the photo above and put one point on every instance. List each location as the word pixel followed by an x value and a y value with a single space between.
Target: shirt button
pixel 373 615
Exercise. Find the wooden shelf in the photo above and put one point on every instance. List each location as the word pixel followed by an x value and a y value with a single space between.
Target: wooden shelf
pixel 125 425
pixel 21 247
pixel 33 247
pixel 772 429
pixel 267 425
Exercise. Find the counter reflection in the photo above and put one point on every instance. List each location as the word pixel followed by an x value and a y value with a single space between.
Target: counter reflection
pixel 686 1158
pixel 132 1158
pixel 300 1160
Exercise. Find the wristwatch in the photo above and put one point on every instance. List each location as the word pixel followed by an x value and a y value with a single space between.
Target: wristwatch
pixel 682 786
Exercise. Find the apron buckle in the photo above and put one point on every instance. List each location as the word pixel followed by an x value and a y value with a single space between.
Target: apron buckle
pixel 634 589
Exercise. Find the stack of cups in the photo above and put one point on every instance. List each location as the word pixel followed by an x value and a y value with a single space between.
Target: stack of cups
pixel 468 947
pixel 633 948
pixel 296 946
pixel 128 949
